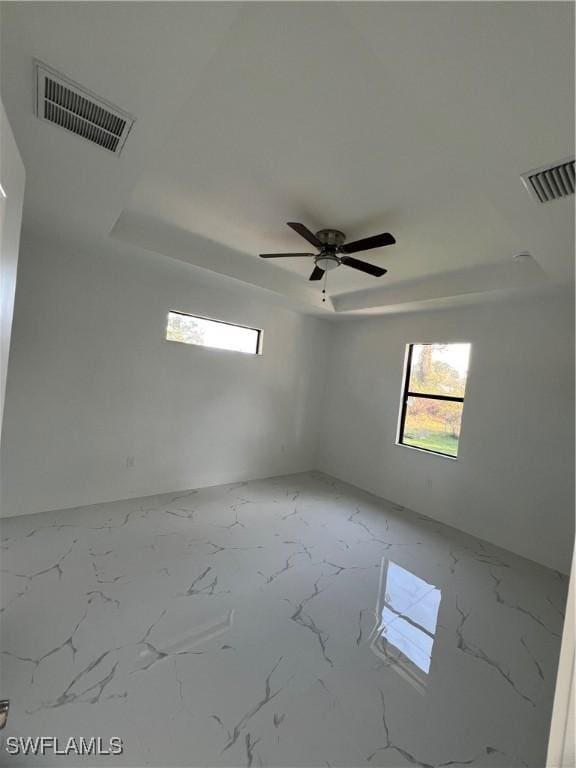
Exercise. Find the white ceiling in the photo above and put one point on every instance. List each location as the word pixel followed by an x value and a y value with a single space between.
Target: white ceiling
pixel 413 118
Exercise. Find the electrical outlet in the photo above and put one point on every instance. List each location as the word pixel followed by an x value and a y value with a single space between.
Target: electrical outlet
pixel 129 462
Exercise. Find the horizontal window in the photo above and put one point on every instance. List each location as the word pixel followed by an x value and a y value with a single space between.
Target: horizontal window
pixel 189 329
pixel 433 397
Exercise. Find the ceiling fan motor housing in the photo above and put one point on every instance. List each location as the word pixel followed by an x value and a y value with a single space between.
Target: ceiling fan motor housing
pixel 331 237
pixel 331 240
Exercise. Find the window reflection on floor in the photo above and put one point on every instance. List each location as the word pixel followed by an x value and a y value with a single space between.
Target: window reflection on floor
pixel 406 625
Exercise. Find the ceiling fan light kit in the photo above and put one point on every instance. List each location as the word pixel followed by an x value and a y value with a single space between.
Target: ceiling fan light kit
pixel 333 251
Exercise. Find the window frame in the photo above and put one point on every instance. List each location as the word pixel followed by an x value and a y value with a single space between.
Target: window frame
pixel 406 393
pixel 259 331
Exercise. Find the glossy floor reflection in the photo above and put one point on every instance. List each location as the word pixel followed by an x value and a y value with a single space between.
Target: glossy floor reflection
pixel 408 611
pixel 295 621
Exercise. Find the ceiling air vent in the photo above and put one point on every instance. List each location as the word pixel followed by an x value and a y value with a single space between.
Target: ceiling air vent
pixel 550 182
pixel 65 103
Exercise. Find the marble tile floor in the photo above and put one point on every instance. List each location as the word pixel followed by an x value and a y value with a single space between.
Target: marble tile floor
pixel 295 621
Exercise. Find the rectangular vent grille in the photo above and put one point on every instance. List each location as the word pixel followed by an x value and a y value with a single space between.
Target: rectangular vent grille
pixel 551 182
pixel 65 103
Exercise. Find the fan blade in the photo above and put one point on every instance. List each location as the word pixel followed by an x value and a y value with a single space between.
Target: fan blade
pixel 282 255
pixel 363 266
pixel 317 274
pixel 305 233
pixel 376 241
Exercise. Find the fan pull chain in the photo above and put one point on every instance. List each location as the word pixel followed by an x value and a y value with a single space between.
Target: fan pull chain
pixel 325 283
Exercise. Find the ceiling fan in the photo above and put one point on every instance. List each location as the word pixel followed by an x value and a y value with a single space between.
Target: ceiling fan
pixel 334 250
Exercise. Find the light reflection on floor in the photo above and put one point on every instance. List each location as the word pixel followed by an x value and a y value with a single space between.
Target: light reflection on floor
pixel 407 616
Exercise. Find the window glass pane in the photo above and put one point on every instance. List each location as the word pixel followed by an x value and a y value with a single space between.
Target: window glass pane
pixel 433 424
pixel 439 369
pixel 210 333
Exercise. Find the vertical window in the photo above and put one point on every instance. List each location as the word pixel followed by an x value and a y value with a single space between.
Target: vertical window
pixel 433 397
pixel 203 332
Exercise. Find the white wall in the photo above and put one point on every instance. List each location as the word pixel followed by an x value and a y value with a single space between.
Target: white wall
pixel 513 482
pixel 12 178
pixel 92 381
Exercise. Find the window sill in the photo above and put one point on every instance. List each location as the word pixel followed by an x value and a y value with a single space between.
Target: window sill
pixel 192 345
pixel 426 450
